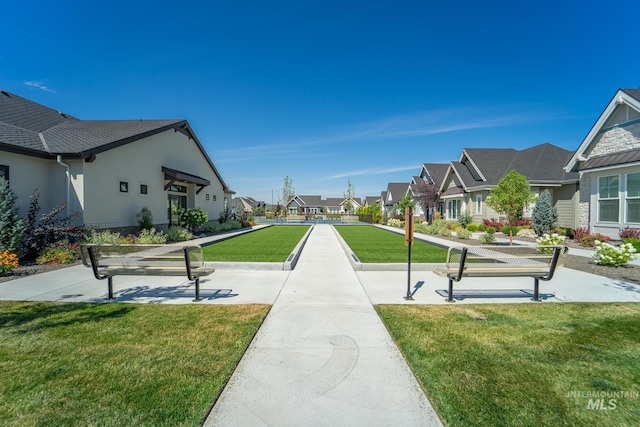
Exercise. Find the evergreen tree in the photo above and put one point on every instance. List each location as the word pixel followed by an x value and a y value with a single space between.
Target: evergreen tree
pixel 544 216
pixel 11 225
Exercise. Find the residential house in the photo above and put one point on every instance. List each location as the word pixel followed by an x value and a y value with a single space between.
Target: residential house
pixel 342 206
pixel 392 197
pixel 432 174
pixel 247 205
pixel 106 169
pixel 371 200
pixel 306 205
pixel 467 182
pixel 608 161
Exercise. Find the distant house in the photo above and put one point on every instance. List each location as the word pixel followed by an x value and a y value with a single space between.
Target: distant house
pixel 306 205
pixel 392 197
pixel 106 169
pixel 247 205
pixel 433 174
pixel 467 182
pixel 342 206
pixel 608 160
pixel 371 200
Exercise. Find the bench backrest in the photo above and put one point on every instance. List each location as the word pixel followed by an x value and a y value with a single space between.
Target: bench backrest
pixel 498 257
pixel 142 255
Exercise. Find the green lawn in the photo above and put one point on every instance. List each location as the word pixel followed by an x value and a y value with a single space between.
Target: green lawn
pixel 271 244
pixel 118 364
pixel 524 364
pixel 371 244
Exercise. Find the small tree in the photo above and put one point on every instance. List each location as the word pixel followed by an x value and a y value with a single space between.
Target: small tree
pixel 287 191
pixel 511 197
pixel 405 202
pixel 50 227
pixel 544 216
pixel 145 219
pixel 427 194
pixel 348 196
pixel 11 225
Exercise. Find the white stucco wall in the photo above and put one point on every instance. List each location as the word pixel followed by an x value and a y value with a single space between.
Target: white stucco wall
pixel 28 173
pixel 139 163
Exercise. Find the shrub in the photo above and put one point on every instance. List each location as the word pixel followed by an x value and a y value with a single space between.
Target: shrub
pixel 105 237
pixel 490 230
pixel 51 227
pixel 150 237
pixel 635 241
pixel 11 225
pixel 487 237
pixel 514 229
pixel 473 227
pixel 492 222
pixel 213 227
pixel 8 262
pixel 482 227
pixel 464 233
pixel 394 222
pixel 178 234
pixel 549 240
pixel 193 218
pixel 590 239
pixel 579 234
pixel 145 219
pixel 629 232
pixel 522 222
pixel 464 220
pixel 61 252
pixel 615 256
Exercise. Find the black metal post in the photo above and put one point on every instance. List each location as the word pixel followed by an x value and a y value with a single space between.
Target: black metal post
pixel 536 289
pixel 110 282
pixel 197 289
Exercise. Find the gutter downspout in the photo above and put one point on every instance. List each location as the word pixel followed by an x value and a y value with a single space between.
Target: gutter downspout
pixel 68 195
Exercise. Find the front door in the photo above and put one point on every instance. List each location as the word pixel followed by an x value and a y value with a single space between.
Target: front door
pixel 175 204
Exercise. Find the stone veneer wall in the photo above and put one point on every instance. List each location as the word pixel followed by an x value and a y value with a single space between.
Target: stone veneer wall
pixel 614 140
pixel 617 139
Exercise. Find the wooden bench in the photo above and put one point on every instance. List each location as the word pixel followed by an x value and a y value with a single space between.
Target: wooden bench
pixel 509 261
pixel 108 261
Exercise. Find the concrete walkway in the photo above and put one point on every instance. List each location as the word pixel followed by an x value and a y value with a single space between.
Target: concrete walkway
pixel 322 356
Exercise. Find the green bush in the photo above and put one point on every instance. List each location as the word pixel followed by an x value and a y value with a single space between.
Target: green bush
pixel 614 256
pixel 193 218
pixel 145 219
pixel 464 220
pixel 151 237
pixel 635 241
pixel 514 229
pixel 482 227
pixel 473 227
pixel 464 233
pixel 178 234
pixel 487 237
pixel 105 237
pixel 490 230
pixel 12 228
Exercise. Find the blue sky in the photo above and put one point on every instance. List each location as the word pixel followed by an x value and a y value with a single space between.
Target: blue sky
pixel 329 91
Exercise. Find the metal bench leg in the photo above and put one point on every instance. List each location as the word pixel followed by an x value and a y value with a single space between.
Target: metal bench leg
pixel 197 289
pixel 450 296
pixel 110 284
pixel 536 289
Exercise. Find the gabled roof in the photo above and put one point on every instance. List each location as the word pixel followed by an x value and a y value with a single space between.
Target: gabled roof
pixel 434 170
pixel 482 168
pixel 370 200
pixel 32 129
pixel 630 97
pixel 397 191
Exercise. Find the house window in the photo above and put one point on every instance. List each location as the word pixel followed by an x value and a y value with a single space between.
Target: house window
pixel 124 187
pixel 144 189
pixel 608 194
pixel 178 188
pixel 207 197
pixel 479 203
pixel 4 172
pixel 453 206
pixel 214 197
pixel 633 197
